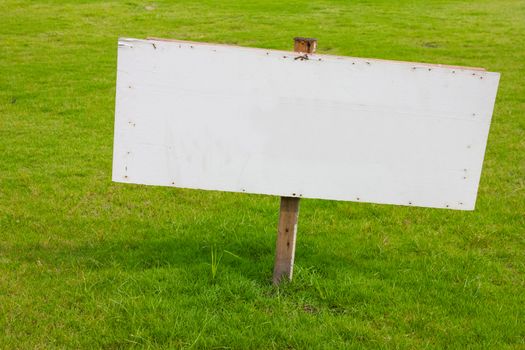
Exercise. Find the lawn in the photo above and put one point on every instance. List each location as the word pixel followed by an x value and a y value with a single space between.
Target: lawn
pixel 87 263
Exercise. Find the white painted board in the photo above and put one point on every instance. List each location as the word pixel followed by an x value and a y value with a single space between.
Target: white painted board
pixel 227 118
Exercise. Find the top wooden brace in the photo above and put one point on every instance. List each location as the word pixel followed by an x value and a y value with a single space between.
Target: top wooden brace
pixel 306 45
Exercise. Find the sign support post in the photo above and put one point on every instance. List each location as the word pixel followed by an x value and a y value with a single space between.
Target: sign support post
pixel 289 210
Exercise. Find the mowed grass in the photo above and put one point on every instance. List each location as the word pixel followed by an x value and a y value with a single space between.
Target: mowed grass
pixel 87 263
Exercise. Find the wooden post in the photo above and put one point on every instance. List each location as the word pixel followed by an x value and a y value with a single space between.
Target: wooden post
pixel 286 234
pixel 289 211
pixel 306 45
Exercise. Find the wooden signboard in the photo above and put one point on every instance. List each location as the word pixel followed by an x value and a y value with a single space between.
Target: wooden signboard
pixel 227 118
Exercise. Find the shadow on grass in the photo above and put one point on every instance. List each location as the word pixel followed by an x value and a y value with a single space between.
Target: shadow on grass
pixel 255 255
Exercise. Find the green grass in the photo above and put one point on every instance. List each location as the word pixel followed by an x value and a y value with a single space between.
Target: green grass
pixel 87 263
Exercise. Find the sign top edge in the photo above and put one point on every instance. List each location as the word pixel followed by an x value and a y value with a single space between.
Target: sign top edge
pixel 123 41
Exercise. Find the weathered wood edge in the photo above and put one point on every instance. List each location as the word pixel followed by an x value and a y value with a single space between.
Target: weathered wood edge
pixel 432 65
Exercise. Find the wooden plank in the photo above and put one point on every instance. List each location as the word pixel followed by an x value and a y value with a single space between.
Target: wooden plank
pixel 286 237
pixel 227 118
pixel 289 210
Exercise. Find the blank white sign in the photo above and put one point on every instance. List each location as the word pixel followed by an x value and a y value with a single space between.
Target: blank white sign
pixel 238 119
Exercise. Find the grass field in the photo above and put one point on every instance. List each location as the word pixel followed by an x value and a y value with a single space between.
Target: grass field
pixel 87 263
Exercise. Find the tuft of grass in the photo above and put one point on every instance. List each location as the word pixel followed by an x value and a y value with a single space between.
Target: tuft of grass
pixel 87 263
pixel 216 257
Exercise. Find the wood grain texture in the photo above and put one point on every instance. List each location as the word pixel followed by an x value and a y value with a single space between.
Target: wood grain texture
pixel 306 45
pixel 286 237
